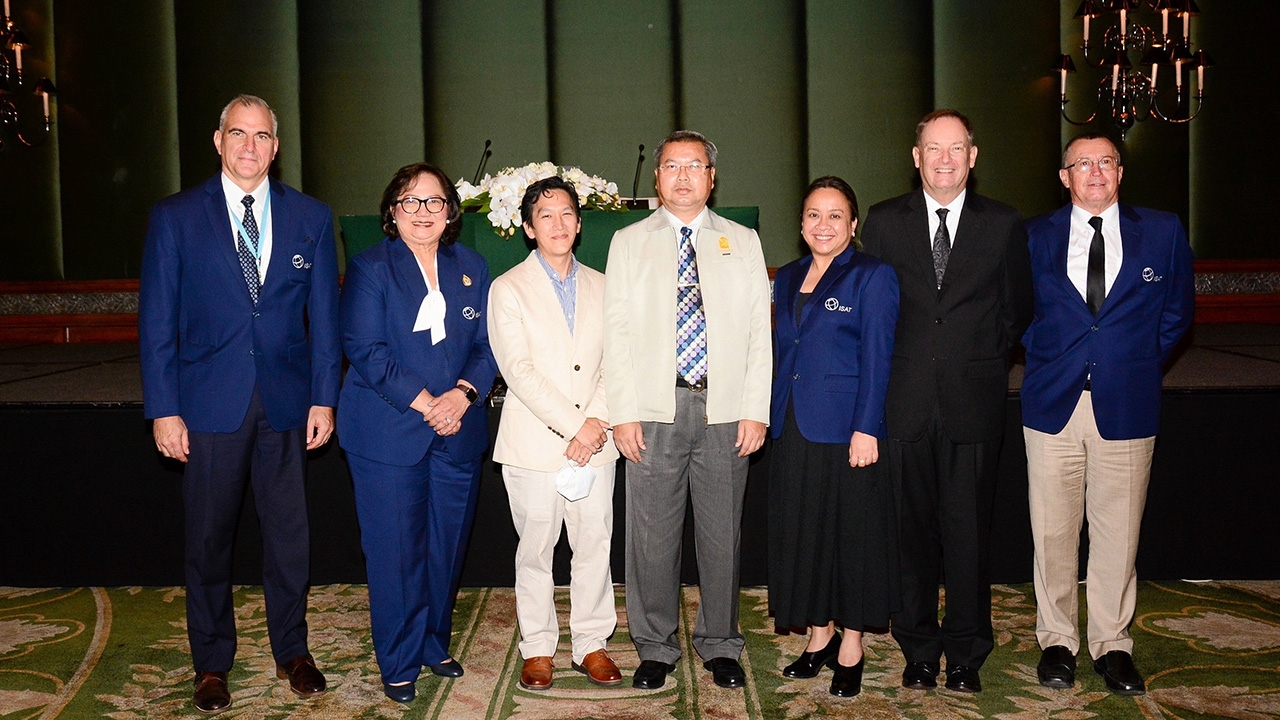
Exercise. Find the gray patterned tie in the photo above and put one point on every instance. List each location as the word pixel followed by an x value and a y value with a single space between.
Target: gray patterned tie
pixel 248 263
pixel 941 246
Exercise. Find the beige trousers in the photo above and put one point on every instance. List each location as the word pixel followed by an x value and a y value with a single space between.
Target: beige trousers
pixel 538 511
pixel 1072 475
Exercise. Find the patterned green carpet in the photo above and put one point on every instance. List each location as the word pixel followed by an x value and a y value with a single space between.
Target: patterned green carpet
pixel 1207 649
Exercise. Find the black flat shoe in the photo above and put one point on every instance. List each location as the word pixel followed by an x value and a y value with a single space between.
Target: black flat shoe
pixel 920 676
pixel 809 663
pixel 651 675
pixel 1116 667
pixel 1057 668
pixel 449 668
pixel 400 693
pixel 846 681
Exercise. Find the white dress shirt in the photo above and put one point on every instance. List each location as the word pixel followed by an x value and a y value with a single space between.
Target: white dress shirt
pixel 235 207
pixel 953 216
pixel 1078 246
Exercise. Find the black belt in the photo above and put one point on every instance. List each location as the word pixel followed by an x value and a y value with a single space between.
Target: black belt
pixel 694 387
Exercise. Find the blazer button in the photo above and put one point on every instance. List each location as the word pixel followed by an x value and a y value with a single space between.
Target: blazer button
pixel 796 376
pixel 937 321
pixel 577 406
pixel 252 352
pixel 797 341
pixel 257 314
pixel 577 368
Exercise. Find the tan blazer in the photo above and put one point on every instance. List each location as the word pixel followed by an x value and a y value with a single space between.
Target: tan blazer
pixel 640 321
pixel 554 379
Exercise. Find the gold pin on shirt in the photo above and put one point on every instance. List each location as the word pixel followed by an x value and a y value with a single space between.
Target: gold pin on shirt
pixel 724 244
pixel 466 280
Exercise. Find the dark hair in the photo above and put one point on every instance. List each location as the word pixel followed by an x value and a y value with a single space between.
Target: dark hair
pixel 405 177
pixel 687 136
pixel 1090 136
pixel 944 113
pixel 834 183
pixel 543 188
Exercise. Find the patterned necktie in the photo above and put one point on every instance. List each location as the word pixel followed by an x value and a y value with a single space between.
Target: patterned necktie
pixel 1095 284
pixel 941 246
pixel 691 322
pixel 248 263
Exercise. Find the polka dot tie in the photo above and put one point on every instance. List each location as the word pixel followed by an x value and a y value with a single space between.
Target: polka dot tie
pixel 248 263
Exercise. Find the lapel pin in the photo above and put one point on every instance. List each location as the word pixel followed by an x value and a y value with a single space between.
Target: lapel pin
pixel 724 244
pixel 466 280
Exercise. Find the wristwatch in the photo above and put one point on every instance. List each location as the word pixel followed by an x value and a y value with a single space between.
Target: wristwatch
pixel 470 392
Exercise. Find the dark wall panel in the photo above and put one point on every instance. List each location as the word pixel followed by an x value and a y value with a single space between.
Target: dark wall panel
pixel 118 130
pixel 361 98
pixel 870 79
pixel 30 226
pixel 742 84
pixel 232 47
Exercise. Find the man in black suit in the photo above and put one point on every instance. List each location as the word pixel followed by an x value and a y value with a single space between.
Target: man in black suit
pixel 965 297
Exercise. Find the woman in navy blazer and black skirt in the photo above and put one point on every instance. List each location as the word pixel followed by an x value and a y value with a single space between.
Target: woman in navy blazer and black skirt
pixel 411 418
pixel 832 529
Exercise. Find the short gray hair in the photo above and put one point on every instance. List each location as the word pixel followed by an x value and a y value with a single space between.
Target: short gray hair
pixel 249 101
pixel 1066 151
pixel 687 136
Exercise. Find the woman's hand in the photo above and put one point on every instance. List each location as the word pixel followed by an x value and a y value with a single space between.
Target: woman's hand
pixel 445 412
pixel 864 450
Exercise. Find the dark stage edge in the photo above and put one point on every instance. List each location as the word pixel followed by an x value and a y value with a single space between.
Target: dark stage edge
pixel 85 500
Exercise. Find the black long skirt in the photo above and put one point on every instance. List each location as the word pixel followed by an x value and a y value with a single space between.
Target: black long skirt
pixel 833 542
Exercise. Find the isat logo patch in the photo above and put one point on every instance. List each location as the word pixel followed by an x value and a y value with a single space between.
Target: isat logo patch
pixel 1150 275
pixel 300 263
pixel 470 313
pixel 834 305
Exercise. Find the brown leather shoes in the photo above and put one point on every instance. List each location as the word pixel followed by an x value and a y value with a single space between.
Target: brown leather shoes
pixel 211 696
pixel 600 669
pixel 304 679
pixel 536 673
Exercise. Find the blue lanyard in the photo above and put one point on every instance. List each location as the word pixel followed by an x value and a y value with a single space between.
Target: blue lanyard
pixel 252 244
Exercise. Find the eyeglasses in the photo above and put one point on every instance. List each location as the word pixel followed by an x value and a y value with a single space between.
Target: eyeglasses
pixel 1086 165
pixel 693 168
pixel 411 204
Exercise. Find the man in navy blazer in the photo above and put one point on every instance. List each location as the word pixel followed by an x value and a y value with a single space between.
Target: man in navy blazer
pixel 1114 294
pixel 238 322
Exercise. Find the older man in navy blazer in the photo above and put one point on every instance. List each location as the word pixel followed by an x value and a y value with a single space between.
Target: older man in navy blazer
pixel 1114 294
pixel 238 321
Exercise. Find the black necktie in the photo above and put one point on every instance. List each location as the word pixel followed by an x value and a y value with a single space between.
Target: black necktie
pixel 1095 284
pixel 941 246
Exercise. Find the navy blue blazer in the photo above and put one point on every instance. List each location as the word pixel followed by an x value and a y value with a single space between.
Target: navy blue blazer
pixel 834 366
pixel 391 364
pixel 1149 308
pixel 204 345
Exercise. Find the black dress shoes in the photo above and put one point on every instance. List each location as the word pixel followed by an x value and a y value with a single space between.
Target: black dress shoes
pixel 651 675
pixel 726 672
pixel 847 681
pixel 1116 667
pixel 400 693
pixel 809 663
pixel 920 676
pixel 449 668
pixel 1057 668
pixel 211 695
pixel 962 678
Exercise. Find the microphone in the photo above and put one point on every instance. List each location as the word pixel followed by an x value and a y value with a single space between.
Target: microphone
pixel 635 186
pixel 484 157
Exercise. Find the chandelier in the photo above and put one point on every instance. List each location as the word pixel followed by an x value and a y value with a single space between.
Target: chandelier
pixel 12 43
pixel 1126 94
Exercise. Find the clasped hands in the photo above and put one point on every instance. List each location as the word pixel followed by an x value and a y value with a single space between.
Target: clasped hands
pixel 442 412
pixel 590 440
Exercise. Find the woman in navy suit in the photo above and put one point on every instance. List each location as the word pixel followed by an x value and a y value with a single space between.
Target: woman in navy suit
pixel 411 420
pixel 832 533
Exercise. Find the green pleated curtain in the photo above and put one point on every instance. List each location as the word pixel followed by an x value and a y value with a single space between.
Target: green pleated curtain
pixel 788 89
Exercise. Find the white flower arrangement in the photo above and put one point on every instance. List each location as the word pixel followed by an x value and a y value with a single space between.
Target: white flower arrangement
pixel 499 195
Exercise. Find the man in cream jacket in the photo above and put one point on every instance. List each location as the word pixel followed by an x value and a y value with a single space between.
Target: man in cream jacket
pixel 687 369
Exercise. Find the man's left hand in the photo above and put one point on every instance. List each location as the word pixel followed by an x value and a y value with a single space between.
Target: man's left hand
pixel 319 426
pixel 750 436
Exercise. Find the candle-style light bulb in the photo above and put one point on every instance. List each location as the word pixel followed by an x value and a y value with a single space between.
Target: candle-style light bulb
pixel 1154 70
pixel 45 97
pixel 1062 86
pixel 1124 22
pixel 17 54
pixel 1177 73
pixel 1115 77
pixel 1186 26
pixel 1164 22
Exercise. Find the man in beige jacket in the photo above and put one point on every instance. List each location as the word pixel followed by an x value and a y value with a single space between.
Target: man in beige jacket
pixel 546 329
pixel 687 367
